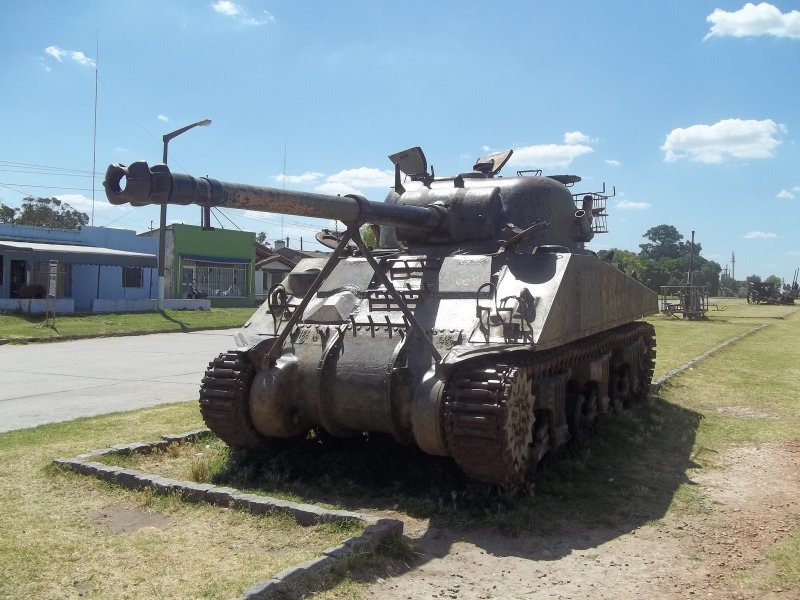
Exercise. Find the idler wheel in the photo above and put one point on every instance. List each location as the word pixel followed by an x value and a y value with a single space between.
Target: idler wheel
pixel 225 398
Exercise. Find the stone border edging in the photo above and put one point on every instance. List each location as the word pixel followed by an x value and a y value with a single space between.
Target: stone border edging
pixel 655 386
pixel 377 532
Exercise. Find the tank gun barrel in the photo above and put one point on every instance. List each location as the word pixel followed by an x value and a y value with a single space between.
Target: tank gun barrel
pixel 145 185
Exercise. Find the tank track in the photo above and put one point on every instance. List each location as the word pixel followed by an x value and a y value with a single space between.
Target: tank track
pixel 224 400
pixel 475 400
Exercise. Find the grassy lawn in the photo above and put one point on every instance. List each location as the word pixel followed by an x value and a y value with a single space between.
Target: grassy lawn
pixel 19 327
pixel 55 541
pixel 64 535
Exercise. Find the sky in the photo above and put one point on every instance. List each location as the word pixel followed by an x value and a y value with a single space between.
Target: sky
pixel 687 109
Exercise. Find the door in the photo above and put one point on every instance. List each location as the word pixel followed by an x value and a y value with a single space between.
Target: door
pixel 18 271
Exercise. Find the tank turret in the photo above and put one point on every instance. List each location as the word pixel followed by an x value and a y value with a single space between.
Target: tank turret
pixel 480 328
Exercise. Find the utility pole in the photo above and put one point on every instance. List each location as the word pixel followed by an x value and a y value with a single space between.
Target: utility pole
pixel 162 234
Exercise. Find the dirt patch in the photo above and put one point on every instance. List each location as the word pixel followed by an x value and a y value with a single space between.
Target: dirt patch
pixel 751 502
pixel 119 519
pixel 745 411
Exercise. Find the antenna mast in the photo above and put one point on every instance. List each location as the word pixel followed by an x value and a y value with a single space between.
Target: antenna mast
pixel 94 131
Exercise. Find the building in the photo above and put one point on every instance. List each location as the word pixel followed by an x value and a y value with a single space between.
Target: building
pixel 216 262
pixel 272 266
pixel 93 269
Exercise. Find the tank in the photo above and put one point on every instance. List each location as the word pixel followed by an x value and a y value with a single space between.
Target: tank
pixel 480 328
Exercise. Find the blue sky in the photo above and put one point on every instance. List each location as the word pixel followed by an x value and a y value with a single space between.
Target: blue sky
pixel 689 108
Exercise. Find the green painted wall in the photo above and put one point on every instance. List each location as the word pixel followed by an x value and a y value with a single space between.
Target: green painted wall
pixel 219 243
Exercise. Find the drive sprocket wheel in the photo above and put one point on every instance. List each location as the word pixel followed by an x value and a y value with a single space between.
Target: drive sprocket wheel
pixel 488 420
pixel 225 401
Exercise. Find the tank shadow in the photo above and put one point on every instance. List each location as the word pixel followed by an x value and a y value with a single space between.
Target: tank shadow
pixel 625 476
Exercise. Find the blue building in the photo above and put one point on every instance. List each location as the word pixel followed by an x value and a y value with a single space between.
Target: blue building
pixel 97 268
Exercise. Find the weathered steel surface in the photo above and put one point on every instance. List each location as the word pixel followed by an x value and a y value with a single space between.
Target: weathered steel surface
pixel 481 328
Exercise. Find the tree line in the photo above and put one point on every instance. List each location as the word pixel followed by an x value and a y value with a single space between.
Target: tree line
pixel 44 212
pixel 664 260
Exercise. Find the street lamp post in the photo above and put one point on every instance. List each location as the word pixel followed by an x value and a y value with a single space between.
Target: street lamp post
pixel 162 232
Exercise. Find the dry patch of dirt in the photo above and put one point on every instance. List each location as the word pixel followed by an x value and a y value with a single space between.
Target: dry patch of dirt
pixel 752 501
pixel 746 412
pixel 118 519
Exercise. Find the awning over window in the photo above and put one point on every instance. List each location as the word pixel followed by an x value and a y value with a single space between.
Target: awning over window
pixel 220 260
pixel 81 255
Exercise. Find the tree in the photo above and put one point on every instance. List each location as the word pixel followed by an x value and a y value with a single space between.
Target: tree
pixel 369 235
pixel 7 214
pixel 775 281
pixel 624 259
pixel 44 212
pixel 665 242
pixel 261 237
pixel 665 261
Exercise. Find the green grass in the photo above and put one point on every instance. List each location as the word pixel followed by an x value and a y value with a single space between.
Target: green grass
pixel 679 340
pixel 634 471
pixel 59 537
pixel 20 328
pixel 786 562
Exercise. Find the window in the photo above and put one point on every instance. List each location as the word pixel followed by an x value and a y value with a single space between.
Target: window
pixel 132 277
pixel 41 276
pixel 218 280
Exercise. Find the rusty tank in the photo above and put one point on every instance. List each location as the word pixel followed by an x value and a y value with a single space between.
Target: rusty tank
pixel 480 327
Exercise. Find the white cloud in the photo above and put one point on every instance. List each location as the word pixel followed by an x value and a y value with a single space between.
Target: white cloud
pixel 241 15
pixel 84 204
pixel 307 177
pixel 577 137
pixel 547 155
pixel 224 7
pixel 785 195
pixel 631 205
pixel 612 162
pixel 729 138
pixel 74 55
pixel 363 177
pixel 55 52
pixel 347 181
pixel 754 20
pixel 336 188
pixel 163 118
pixel 759 235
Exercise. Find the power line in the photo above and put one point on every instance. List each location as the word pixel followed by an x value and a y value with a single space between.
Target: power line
pixel 130 116
pixel 9 163
pixel 229 219
pixel 87 176
pixel 45 187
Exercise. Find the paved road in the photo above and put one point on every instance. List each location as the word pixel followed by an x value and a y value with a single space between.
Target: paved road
pixel 48 383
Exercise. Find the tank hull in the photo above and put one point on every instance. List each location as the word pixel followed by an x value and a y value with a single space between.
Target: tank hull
pixel 523 339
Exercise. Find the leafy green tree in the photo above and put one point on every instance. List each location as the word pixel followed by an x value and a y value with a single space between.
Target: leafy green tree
pixel 774 280
pixel 665 260
pixel 369 235
pixel 44 212
pixel 261 237
pixel 624 259
pixel 665 242
pixel 7 214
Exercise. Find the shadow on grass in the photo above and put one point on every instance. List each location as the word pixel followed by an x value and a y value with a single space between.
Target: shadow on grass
pixel 625 476
pixel 184 327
